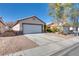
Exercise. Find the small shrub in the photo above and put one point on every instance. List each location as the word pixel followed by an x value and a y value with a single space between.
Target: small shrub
pixel 49 30
pixel 55 30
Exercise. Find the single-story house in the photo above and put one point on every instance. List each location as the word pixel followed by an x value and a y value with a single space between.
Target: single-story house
pixel 52 25
pixel 2 27
pixel 29 25
pixel 10 25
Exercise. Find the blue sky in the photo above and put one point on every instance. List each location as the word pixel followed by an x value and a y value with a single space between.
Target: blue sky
pixel 12 12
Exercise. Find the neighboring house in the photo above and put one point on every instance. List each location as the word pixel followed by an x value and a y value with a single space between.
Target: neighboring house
pixel 66 28
pixel 10 25
pixel 2 27
pixel 52 25
pixel 29 25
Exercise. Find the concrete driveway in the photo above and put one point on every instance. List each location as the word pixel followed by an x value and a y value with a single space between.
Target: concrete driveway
pixel 44 38
pixel 49 44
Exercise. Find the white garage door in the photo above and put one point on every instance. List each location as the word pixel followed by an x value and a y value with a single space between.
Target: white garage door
pixel 31 28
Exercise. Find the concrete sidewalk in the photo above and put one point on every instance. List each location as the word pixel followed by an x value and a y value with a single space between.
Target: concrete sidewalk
pixel 70 51
pixel 73 50
pixel 45 50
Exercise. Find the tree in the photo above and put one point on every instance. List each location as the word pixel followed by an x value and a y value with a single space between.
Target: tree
pixel 60 12
pixel 74 17
pixel 54 11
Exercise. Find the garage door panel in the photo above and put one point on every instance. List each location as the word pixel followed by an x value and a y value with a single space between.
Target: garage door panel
pixel 31 28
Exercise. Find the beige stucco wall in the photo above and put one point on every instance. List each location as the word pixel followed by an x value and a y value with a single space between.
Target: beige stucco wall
pixel 31 20
pixel 18 27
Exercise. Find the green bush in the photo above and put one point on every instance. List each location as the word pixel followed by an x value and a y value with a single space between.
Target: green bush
pixel 53 30
pixel 49 30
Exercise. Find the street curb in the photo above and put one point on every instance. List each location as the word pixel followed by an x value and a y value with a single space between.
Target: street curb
pixel 68 50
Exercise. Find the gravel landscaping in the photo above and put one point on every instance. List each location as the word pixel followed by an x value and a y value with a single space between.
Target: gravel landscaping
pixel 15 43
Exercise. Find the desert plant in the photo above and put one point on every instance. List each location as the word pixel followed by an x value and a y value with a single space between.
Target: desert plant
pixel 49 30
pixel 55 29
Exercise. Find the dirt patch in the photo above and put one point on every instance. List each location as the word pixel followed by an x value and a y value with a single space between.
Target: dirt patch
pixel 14 44
pixel 8 33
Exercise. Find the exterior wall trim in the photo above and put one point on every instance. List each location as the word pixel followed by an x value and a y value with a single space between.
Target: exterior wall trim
pixel 29 18
pixel 2 23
